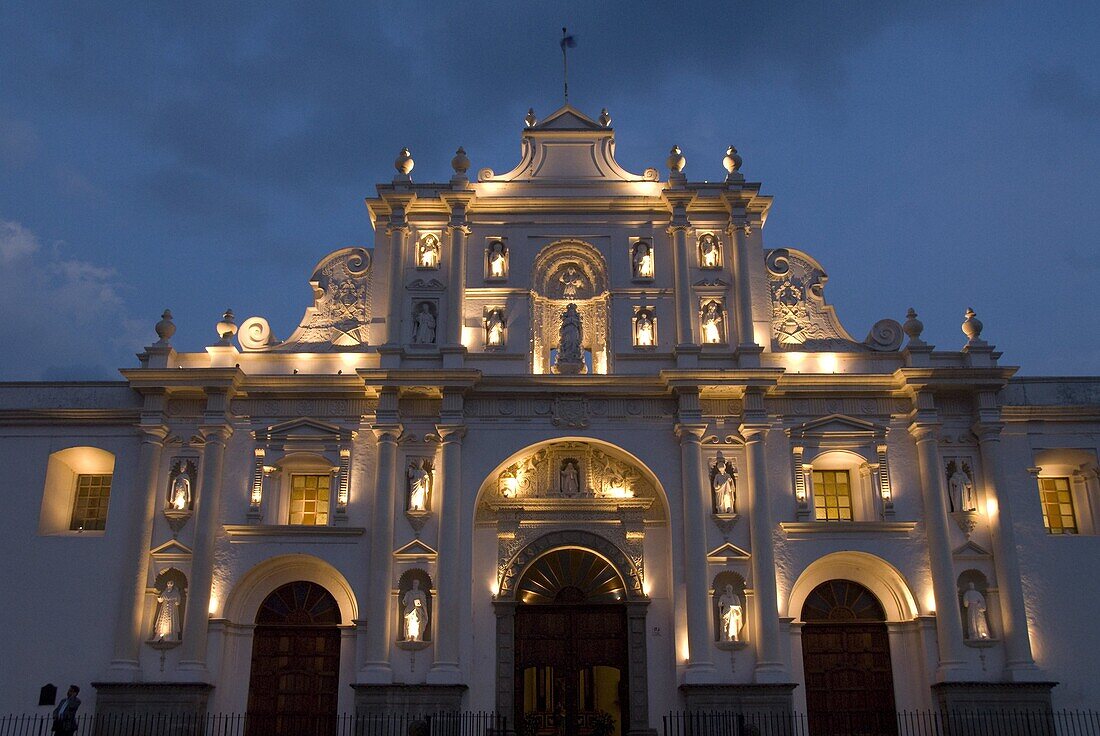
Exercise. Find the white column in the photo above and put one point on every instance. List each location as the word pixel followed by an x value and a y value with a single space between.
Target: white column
pixel 376 668
pixel 1019 662
pixel 456 286
pixel 742 282
pixel 769 660
pixel 135 562
pixel 682 276
pixel 397 232
pixel 207 518
pixel 949 633
pixel 449 578
pixel 700 668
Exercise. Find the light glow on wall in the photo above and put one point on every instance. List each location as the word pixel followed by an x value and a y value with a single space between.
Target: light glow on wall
pixel 991 507
pixel 930 602
pixel 828 363
pixel 214 602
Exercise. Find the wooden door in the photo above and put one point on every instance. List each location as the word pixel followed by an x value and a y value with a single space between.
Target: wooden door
pixel 295 676
pixel 846 660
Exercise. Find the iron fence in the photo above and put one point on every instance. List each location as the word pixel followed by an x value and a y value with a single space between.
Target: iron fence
pixel 906 723
pixel 184 724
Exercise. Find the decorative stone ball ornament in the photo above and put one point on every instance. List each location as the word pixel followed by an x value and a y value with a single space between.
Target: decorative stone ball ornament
pixel 676 161
pixel 404 162
pixel 972 326
pixel 732 162
pixel 460 163
pixel 227 327
pixel 165 328
pixel 913 327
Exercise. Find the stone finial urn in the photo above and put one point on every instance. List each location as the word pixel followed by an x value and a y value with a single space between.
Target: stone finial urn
pixel 460 163
pixel 227 327
pixel 732 161
pixel 404 162
pixel 972 326
pixel 165 328
pixel 676 161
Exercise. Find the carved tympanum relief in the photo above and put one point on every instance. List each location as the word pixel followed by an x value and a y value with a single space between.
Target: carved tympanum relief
pixel 340 315
pixel 801 320
pixel 574 470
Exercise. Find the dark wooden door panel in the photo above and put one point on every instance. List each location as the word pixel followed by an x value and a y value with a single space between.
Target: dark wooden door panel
pixel 295 680
pixel 849 679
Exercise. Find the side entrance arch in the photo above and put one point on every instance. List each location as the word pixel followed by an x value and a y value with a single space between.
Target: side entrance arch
pixel 294 684
pixel 571 638
pixel 846 660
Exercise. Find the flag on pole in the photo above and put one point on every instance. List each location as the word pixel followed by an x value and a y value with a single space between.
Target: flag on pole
pixel 567 42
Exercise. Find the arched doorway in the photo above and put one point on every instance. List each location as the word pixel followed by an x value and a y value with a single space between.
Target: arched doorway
pixel 846 660
pixel 295 675
pixel 571 649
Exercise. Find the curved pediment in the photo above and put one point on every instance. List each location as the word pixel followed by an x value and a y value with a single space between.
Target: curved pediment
pixel 568 147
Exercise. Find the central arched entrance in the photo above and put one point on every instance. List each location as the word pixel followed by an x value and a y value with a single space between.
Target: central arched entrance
pixel 571 665
pixel 294 683
pixel 846 660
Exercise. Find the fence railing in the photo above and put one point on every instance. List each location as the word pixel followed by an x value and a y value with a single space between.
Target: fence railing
pixel 907 723
pixel 185 724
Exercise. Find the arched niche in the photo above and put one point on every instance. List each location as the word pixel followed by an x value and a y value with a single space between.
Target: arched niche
pixel 570 272
pixel 880 577
pixel 171 604
pixel 247 596
pixel 987 600
pixel 728 631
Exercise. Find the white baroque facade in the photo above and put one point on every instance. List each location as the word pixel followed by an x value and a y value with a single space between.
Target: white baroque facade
pixel 568 439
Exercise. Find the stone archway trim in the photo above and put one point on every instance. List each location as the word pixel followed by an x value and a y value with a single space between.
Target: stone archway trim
pixel 514 569
pixel 874 573
pixel 249 593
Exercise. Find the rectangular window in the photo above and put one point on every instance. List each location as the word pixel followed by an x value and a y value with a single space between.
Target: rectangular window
pixel 309 499
pixel 90 503
pixel 1057 501
pixel 832 495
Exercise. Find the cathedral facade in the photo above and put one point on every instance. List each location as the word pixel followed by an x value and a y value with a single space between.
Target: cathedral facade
pixel 568 440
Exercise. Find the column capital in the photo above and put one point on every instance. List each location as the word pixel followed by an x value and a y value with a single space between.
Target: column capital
pixel 988 431
pixel 153 434
pixel 390 433
pixel 754 432
pixel 690 433
pixel 924 431
pixel 450 433
pixel 215 433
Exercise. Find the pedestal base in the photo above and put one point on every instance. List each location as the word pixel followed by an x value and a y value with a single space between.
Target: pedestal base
pixel 407 699
pixel 137 700
pixel 993 697
pixel 770 700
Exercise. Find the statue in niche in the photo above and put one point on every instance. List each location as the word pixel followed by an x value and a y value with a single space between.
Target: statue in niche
pixel 570 478
pixel 962 493
pixel 731 614
pixel 181 493
pixel 570 335
pixel 571 281
pixel 977 625
pixel 643 329
pixel 708 251
pixel 643 260
pixel 427 255
pixel 723 486
pixel 494 328
pixel 424 329
pixel 712 323
pixel 167 623
pixel 497 261
pixel 419 476
pixel 415 617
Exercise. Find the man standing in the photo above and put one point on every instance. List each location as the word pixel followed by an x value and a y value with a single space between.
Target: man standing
pixel 64 715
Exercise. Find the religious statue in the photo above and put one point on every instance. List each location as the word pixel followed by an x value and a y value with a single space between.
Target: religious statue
pixel 731 614
pixel 496 260
pixel 420 483
pixel 643 329
pixel 494 328
pixel 571 281
pixel 643 260
pixel 723 486
pixel 712 323
pixel 570 352
pixel 977 626
pixel 963 497
pixel 181 493
pixel 415 604
pixel 428 252
pixel 167 624
pixel 708 251
pixel 424 331
pixel 570 478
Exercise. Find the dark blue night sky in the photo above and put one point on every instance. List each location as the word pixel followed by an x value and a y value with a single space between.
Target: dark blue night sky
pixel 202 155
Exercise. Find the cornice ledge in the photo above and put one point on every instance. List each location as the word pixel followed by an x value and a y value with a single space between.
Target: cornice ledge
pixel 847 529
